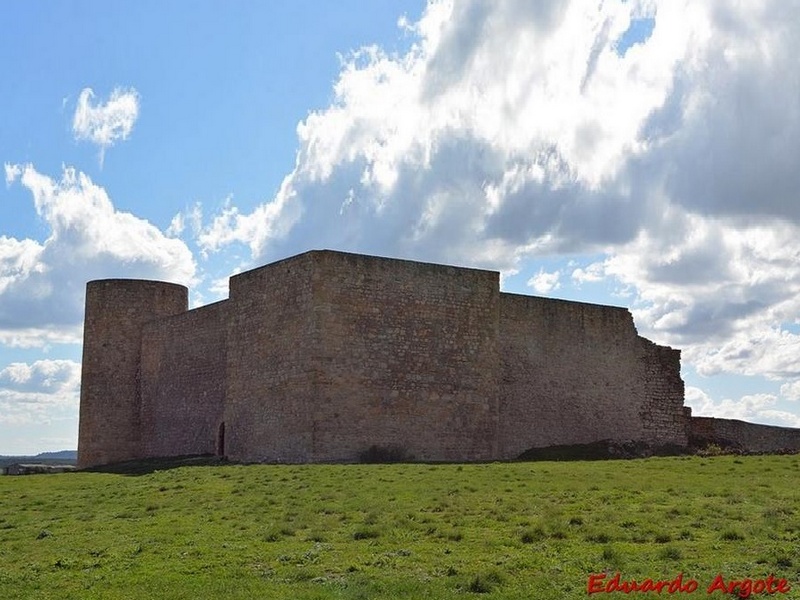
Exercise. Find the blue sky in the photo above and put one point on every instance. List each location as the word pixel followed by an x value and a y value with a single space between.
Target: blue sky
pixel 635 153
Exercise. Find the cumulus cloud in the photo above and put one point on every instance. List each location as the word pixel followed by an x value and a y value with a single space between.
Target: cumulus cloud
pixel 12 172
pixel 544 282
pixel 191 218
pixel 38 392
pixel 721 290
pixel 42 283
pixel 591 274
pixel 42 376
pixel 791 390
pixel 269 221
pixel 104 123
pixel 441 154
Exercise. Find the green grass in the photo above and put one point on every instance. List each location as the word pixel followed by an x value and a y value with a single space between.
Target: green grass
pixel 513 530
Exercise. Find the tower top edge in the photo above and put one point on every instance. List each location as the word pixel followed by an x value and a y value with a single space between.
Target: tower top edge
pixel 135 284
pixel 128 282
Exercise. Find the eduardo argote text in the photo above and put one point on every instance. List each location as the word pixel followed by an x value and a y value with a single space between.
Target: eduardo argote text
pixel 600 583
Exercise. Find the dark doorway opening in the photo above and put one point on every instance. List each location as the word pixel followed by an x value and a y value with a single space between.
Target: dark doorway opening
pixel 221 439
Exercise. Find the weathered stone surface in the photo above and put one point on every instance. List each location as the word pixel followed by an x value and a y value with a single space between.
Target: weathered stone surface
pixel 110 412
pixel 405 356
pixel 325 355
pixel 570 374
pixel 272 341
pixel 182 381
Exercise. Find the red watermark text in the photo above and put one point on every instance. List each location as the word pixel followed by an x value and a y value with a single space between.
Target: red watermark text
pixel 599 583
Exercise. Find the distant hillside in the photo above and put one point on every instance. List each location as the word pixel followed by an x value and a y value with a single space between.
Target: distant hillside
pixel 61 454
pixel 62 457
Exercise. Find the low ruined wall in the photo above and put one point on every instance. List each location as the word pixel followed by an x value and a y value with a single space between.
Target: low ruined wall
pixel 183 381
pixel 570 374
pixel 740 435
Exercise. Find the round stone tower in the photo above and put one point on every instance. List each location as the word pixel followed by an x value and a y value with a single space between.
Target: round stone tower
pixel 116 310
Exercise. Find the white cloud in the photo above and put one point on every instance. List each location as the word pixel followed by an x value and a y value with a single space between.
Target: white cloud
pixel 220 287
pixel 104 123
pixel 544 282
pixel 42 335
pixel 442 155
pixel 791 390
pixel 12 172
pixel 445 156
pixel 38 392
pixel 42 376
pixel 176 225
pixel 781 418
pixel 746 408
pixel 591 274
pixel 269 221
pixel 720 289
pixel 756 408
pixel 773 353
pixel 700 402
pixel 42 283
pixel 191 218
pixel 508 131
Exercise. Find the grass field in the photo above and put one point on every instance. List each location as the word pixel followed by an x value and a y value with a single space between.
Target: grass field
pixel 508 530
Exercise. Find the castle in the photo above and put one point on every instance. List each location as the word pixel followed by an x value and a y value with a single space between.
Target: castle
pixel 322 356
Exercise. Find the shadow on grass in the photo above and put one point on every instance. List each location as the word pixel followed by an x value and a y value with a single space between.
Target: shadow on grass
pixel 601 450
pixel 146 466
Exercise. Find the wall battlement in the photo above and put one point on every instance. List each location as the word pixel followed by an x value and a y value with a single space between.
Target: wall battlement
pixel 318 357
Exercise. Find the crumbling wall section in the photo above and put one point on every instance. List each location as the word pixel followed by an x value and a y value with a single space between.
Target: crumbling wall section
pixel 408 359
pixel 184 360
pixel 665 422
pixel 570 374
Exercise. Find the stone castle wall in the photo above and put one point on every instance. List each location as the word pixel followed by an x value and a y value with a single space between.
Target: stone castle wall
pixel 569 374
pixel 407 357
pixel 183 380
pixel 320 356
pixel 110 410
pixel 271 370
